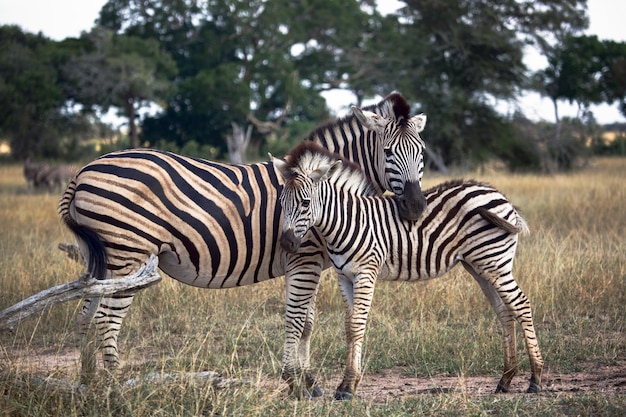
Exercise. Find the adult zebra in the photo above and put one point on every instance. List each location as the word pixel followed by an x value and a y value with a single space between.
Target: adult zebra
pixel 217 225
pixel 53 177
pixel 464 222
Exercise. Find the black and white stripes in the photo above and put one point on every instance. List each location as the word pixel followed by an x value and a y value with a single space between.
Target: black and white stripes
pixel 48 176
pixel 217 225
pixel 464 222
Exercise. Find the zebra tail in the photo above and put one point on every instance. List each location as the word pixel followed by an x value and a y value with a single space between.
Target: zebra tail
pixel 97 258
pixel 520 225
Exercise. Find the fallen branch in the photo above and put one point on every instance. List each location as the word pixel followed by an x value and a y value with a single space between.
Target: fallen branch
pixel 84 287
pixel 214 378
pixel 30 381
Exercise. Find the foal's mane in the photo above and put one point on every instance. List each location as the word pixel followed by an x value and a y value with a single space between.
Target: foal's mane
pixel 309 155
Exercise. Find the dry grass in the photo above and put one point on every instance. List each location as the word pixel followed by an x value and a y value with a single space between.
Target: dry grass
pixel 572 267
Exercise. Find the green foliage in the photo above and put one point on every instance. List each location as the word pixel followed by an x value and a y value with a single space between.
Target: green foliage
pixel 120 70
pixel 585 70
pixel 534 146
pixel 33 116
pixel 454 57
pixel 213 66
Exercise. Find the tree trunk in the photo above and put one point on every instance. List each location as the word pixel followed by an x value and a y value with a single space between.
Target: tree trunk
pixel 238 143
pixel 551 165
pixel 132 125
pixel 437 160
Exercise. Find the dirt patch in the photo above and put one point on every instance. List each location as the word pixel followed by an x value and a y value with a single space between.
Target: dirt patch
pixel 397 382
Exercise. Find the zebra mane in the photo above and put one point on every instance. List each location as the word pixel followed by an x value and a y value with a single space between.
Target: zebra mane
pixel 309 156
pixel 394 105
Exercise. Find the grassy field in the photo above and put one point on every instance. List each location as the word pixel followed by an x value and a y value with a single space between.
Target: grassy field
pixel 572 267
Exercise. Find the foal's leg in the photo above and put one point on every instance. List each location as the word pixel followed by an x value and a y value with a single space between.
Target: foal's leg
pixel 507 320
pixel 358 304
pixel 511 304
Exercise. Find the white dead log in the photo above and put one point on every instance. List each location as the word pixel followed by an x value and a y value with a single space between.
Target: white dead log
pixel 29 381
pixel 209 377
pixel 85 287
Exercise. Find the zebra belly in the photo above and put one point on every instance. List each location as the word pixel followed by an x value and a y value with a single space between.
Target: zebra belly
pixel 409 269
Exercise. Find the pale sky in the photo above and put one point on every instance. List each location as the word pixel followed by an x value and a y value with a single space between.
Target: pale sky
pixel 59 19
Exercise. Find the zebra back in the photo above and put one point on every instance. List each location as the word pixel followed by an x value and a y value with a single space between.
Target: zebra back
pixel 358 225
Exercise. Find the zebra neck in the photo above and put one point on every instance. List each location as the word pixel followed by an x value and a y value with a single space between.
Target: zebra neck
pixel 346 217
pixel 348 139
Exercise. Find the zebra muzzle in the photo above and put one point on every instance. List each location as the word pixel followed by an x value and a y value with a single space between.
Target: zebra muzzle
pixel 289 242
pixel 412 202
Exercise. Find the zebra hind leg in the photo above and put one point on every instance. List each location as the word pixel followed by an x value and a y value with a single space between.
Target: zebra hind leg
pixel 511 305
pixel 519 307
pixel 88 338
pixel 100 322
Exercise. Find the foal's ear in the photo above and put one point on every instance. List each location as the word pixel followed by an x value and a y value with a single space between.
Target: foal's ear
pixel 324 171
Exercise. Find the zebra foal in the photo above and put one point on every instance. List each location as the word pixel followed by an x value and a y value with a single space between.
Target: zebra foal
pixel 216 225
pixel 464 222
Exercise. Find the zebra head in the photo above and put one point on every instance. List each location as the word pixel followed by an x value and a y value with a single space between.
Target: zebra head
pixel 400 155
pixel 299 197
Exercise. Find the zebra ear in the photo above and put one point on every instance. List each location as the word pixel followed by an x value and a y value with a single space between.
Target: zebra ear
pixel 324 171
pixel 278 163
pixel 370 120
pixel 420 121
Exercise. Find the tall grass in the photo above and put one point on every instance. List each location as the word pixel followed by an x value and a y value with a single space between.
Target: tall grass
pixel 572 267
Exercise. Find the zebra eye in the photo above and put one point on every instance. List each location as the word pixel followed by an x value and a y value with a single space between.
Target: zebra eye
pixel 306 203
pixel 388 152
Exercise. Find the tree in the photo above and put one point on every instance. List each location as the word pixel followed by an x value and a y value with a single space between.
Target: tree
pixel 457 58
pixel 244 62
pixel 122 71
pixel 582 70
pixel 34 114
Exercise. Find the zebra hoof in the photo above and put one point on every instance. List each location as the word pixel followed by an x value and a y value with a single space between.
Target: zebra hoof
pixel 533 388
pixel 343 396
pixel 308 394
pixel 316 391
pixel 501 389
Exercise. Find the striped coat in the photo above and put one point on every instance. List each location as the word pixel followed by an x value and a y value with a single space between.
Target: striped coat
pixel 217 225
pixel 50 177
pixel 464 222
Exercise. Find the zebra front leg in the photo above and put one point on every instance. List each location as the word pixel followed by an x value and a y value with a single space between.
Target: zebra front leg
pixel 358 297
pixel 301 291
pixel 304 351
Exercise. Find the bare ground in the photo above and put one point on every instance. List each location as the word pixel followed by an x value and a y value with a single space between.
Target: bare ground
pixel 397 382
